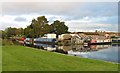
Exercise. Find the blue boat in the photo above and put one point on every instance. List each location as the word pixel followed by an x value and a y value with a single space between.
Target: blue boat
pixel 28 41
pixel 116 40
pixel 45 40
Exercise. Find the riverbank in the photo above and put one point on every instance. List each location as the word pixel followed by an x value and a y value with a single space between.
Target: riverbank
pixel 116 43
pixel 21 58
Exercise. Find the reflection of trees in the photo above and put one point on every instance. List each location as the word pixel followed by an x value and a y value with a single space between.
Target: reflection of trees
pixel 60 50
pixel 65 48
pixel 81 48
pixel 75 48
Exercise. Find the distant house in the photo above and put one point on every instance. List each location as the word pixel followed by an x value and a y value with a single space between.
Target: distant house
pixel 64 37
pixel 92 35
pixel 110 34
pixel 50 35
pixel 81 37
pixel 76 39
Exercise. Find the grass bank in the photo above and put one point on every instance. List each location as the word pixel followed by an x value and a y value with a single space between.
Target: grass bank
pixel 116 43
pixel 20 58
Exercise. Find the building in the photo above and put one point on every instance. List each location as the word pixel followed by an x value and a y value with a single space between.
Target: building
pixel 52 35
pixel 76 39
pixel 63 37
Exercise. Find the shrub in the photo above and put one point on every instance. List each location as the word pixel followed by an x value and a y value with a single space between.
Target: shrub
pixel 6 42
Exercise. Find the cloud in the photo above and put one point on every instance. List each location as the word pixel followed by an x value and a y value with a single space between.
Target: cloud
pixel 92 27
pixel 14 24
pixel 83 24
pixel 104 9
pixel 78 16
pixel 61 8
pixel 20 19
pixel 91 24
pixel 37 7
pixel 9 21
pixel 59 1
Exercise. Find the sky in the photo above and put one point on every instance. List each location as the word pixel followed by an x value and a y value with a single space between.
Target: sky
pixel 78 16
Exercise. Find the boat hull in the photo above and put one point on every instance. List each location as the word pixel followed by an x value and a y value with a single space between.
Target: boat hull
pixel 100 43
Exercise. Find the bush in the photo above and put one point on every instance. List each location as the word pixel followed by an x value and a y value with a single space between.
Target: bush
pixel 6 42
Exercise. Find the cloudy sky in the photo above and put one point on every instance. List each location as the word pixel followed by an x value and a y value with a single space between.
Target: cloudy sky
pixel 78 16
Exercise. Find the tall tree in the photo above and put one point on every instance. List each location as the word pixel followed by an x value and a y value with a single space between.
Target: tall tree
pixel 58 27
pixel 20 32
pixel 38 27
pixel 3 34
pixel 42 24
pixel 11 32
pixel 28 32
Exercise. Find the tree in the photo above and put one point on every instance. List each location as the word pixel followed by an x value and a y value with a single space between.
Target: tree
pixel 38 27
pixel 58 28
pixel 11 32
pixel 42 25
pixel 20 32
pixel 3 34
pixel 28 32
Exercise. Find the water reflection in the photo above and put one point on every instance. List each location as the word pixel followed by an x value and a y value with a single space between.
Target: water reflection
pixel 103 53
pixel 100 52
pixel 81 48
pixel 45 46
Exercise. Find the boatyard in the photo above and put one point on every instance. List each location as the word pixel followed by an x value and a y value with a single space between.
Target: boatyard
pixel 59 36
pixel 77 38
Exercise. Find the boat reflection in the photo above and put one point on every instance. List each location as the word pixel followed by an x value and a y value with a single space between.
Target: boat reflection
pixel 81 48
pixel 45 46
pixel 73 48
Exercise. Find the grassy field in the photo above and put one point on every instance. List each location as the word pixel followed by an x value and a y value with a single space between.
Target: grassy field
pixel 20 58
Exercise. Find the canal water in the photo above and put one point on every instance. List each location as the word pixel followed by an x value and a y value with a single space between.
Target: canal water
pixel 100 52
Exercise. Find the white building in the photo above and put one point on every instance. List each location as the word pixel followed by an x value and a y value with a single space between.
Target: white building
pixel 50 35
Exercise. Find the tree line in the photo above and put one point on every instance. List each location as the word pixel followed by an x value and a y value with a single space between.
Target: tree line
pixel 37 28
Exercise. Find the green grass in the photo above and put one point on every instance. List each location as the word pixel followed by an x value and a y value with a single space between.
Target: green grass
pixel 116 43
pixel 20 58
pixel 0 54
pixel 0 58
